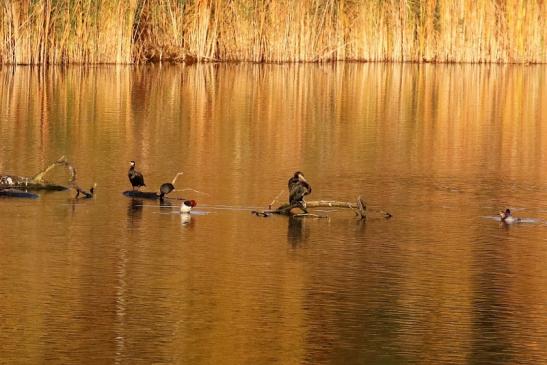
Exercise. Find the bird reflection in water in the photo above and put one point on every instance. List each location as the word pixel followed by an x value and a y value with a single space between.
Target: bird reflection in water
pixel 185 209
pixel 73 202
pixel 134 210
pixel 165 204
pixel 297 233
pixel 185 219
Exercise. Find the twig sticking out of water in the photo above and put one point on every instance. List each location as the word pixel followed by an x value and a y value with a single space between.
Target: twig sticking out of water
pixel 39 177
pixel 275 199
pixel 309 215
pixel 194 190
pixel 35 182
pixel 176 177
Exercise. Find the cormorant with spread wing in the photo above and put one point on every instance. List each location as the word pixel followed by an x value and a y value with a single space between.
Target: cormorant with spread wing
pixel 298 188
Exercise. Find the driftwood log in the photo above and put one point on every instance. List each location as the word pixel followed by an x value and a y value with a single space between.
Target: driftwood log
pixel 16 193
pixel 33 183
pixel 151 195
pixel 295 210
pixel 20 186
pixel 141 194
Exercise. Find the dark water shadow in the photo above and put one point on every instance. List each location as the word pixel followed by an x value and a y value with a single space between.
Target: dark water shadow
pixel 297 234
pixel 134 210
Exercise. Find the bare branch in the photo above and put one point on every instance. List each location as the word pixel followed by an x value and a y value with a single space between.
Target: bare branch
pixel 39 177
pixel 275 199
pixel 176 177
pixel 194 190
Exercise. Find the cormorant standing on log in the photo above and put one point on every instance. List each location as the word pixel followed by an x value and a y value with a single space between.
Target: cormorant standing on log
pixel 298 188
pixel 135 177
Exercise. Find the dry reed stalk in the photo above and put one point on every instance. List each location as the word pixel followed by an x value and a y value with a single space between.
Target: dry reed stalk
pixel 125 31
pixel 62 31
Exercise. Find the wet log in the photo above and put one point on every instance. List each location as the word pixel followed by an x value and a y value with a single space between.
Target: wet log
pixel 27 183
pixel 142 194
pixel 13 185
pixel 150 195
pixel 297 210
pixel 34 183
pixel 16 193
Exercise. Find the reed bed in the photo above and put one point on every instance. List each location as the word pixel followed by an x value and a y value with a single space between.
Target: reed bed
pixel 138 31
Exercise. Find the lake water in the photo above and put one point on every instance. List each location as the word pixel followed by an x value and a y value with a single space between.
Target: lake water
pixel 115 280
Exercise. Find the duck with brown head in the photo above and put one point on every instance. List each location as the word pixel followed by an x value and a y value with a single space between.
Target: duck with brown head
pixel 507 217
pixel 187 206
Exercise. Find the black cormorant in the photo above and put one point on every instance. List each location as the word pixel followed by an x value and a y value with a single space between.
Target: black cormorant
pixel 298 188
pixel 135 177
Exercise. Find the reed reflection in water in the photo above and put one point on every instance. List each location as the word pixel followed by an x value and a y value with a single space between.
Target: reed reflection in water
pixel 120 280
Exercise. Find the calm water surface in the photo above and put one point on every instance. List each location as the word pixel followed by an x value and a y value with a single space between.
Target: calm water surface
pixel 115 280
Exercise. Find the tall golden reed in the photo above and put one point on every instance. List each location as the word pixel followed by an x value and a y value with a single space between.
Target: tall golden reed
pixel 135 31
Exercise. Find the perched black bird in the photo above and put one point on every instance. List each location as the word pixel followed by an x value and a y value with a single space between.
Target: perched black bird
pixel 298 188
pixel 165 189
pixel 135 177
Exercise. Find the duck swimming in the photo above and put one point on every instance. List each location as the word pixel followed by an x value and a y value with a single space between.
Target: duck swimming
pixel 187 206
pixel 135 177
pixel 507 217
pixel 298 188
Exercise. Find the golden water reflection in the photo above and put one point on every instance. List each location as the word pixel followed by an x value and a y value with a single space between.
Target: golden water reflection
pixel 120 280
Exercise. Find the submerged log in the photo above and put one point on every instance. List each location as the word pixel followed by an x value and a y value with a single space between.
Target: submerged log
pixel 27 183
pixel 16 186
pixel 296 210
pixel 36 182
pixel 142 194
pixel 151 195
pixel 16 193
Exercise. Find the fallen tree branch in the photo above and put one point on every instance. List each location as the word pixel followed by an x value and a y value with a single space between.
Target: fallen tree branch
pixel 35 182
pixel 176 177
pixel 39 177
pixel 142 194
pixel 309 215
pixel 359 207
pixel 275 199
pixel 16 193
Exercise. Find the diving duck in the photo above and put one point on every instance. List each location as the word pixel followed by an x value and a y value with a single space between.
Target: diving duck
pixel 507 217
pixel 135 177
pixel 187 206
